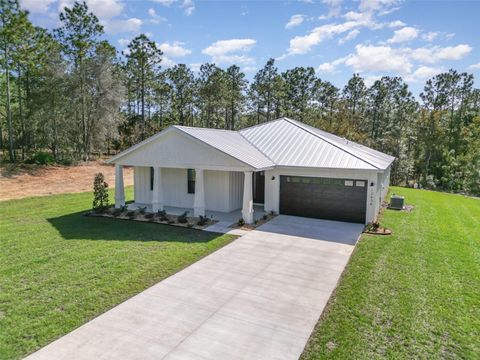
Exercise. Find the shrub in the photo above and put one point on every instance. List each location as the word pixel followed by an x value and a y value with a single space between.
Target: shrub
pixel 131 214
pixel 241 222
pixel 265 216
pixel 373 226
pixel 142 209
pixel 203 220
pixel 162 215
pixel 100 193
pixel 41 158
pixel 182 219
pixel 150 216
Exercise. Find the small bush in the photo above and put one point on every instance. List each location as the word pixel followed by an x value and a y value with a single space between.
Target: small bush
pixel 182 219
pixel 203 220
pixel 372 226
pixel 241 222
pixel 41 158
pixel 162 215
pixel 265 216
pixel 142 209
pixel 150 216
pixel 131 214
pixel 100 193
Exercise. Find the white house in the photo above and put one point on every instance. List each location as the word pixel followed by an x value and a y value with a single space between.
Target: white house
pixel 286 166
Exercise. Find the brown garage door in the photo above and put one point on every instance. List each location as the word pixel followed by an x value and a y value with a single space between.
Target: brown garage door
pixel 324 198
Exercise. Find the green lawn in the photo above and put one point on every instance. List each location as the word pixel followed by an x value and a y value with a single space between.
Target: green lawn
pixel 415 294
pixel 59 269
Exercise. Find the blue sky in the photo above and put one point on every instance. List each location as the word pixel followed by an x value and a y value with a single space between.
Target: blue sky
pixel 413 39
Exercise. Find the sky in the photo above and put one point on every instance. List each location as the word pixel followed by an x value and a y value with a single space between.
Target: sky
pixel 412 39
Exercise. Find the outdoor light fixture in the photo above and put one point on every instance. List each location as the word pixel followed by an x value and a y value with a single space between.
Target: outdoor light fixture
pixel 372 184
pixel 273 177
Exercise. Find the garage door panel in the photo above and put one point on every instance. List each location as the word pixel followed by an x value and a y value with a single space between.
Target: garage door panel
pixel 323 198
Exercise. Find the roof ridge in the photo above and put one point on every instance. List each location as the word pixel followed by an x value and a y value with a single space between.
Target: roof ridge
pixel 260 151
pixel 202 128
pixel 297 124
pixel 262 124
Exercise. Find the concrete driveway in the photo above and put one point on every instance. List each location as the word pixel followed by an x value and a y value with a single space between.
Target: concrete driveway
pixel 257 298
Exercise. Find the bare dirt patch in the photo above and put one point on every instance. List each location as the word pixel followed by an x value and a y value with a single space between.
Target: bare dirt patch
pixel 33 180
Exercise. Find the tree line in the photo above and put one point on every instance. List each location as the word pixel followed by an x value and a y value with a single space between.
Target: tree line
pixel 71 93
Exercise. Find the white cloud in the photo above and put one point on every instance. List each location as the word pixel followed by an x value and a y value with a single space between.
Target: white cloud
pixel 350 36
pixel 370 79
pixel 334 8
pixel 249 69
pixel 295 20
pixel 354 20
pixel 222 47
pixel 475 66
pixel 189 7
pixel 36 6
pixel 230 51
pixel 424 72
pixel 131 25
pixel 303 44
pixel 371 58
pixel 326 68
pixel 165 2
pixel 435 54
pixel 174 49
pixel 195 67
pixel 404 34
pixel 155 18
pixel 396 24
pixel 124 42
pixel 430 36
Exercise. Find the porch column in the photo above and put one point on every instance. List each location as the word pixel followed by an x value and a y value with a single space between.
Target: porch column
pixel 199 199
pixel 119 191
pixel 247 209
pixel 157 195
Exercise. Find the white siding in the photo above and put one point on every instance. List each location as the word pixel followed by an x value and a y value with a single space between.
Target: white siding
pixel 141 187
pixel 236 190
pixel 217 191
pixel 272 187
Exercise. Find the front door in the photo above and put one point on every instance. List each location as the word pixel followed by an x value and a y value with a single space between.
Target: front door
pixel 259 187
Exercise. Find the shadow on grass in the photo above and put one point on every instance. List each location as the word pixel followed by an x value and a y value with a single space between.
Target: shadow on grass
pixel 75 226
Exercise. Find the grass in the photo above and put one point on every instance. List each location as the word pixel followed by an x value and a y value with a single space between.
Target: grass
pixel 415 294
pixel 59 269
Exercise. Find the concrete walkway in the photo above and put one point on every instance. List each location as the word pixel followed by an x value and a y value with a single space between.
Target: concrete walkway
pixel 257 298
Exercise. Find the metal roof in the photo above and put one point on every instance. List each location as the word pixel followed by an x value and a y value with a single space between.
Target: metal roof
pixel 284 142
pixel 291 143
pixel 230 143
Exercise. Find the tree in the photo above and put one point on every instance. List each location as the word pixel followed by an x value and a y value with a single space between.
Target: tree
pixel 13 22
pixel 211 90
pixel 182 84
pixel 79 35
pixel 142 71
pixel 262 91
pixel 235 88
pixel 100 193
pixel 300 85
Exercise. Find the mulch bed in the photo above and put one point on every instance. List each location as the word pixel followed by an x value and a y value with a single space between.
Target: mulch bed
pixel 261 221
pixel 192 222
pixel 379 231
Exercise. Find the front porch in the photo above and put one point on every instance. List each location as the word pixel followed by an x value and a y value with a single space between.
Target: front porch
pixel 224 195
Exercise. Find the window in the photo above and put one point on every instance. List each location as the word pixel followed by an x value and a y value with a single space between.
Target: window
pixel 191 181
pixel 151 178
